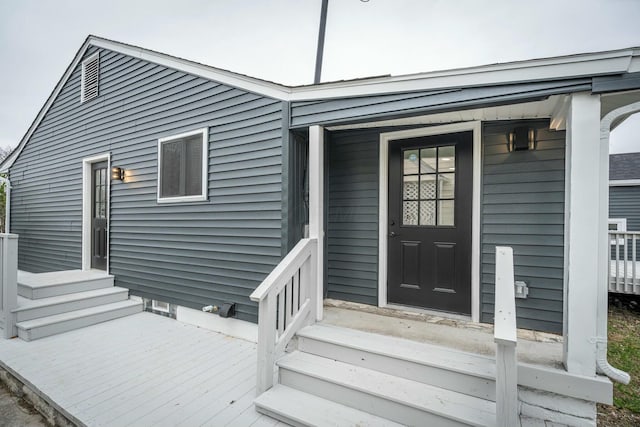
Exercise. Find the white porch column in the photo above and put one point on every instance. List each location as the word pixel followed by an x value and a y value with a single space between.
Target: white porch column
pixel 316 206
pixel 582 215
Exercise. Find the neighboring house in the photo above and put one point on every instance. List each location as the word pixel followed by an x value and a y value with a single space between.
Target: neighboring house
pixel 390 191
pixel 624 219
pixel 624 191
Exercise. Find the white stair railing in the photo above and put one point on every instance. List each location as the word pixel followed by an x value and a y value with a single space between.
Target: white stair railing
pixel 505 337
pixel 624 270
pixel 8 283
pixel 287 303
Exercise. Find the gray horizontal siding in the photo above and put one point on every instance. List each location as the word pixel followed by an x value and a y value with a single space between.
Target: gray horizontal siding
pixel 523 207
pixel 345 110
pixel 190 254
pixel 624 202
pixel 352 216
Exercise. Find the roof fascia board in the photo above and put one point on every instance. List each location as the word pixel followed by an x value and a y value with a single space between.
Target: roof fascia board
pixel 250 84
pixel 535 70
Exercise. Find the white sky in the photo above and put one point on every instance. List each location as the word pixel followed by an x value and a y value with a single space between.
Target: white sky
pixel 276 39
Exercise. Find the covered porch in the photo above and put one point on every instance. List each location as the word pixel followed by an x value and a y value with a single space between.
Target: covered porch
pixel 565 203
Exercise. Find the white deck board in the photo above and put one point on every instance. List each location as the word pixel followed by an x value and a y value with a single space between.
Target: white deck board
pixel 142 370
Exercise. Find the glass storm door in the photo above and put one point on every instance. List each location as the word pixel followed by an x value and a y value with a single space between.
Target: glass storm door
pixel 429 230
pixel 99 207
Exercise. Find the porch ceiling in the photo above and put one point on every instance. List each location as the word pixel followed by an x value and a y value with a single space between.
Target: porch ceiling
pixel 525 110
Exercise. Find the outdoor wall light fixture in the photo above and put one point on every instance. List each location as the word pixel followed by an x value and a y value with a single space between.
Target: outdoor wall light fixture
pixel 117 173
pixel 522 138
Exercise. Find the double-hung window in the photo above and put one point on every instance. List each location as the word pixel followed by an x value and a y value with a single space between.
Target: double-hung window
pixel 182 167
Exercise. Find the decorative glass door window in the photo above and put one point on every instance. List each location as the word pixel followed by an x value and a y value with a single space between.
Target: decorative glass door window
pixel 428 194
pixel 100 193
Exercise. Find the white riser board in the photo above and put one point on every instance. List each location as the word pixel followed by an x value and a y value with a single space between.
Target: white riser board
pixel 467 381
pixel 52 325
pixel 37 292
pixel 303 409
pixel 398 399
pixel 71 302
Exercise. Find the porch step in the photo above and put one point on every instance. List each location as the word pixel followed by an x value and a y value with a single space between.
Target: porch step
pixel 33 309
pixel 302 409
pixel 391 397
pixel 58 323
pixel 45 285
pixel 458 371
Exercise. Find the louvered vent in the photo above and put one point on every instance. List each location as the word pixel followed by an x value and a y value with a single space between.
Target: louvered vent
pixel 90 73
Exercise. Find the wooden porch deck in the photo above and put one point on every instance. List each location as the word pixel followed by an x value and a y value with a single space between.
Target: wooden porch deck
pixel 142 370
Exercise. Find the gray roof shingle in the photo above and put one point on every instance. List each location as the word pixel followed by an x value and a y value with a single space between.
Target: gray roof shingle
pixel 624 166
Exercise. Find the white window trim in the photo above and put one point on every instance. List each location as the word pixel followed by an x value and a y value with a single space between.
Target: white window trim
pixel 621 224
pixel 389 137
pixel 624 182
pixel 89 59
pixel 621 227
pixel 205 167
pixel 86 207
pixel 156 307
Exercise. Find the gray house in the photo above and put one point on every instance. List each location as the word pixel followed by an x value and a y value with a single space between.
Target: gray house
pixel 624 191
pixel 195 187
pixel 624 222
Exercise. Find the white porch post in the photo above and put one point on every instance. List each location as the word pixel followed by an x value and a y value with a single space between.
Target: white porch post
pixel 582 218
pixel 316 207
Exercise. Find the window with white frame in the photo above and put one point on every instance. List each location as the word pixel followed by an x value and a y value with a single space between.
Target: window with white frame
pixel 182 167
pixel 618 225
pixel 160 306
pixel 90 78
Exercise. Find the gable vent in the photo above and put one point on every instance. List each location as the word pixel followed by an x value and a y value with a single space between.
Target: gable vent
pixel 90 72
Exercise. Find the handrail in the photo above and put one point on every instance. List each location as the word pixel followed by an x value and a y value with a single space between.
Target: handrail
pixel 506 339
pixel 287 303
pixel 8 283
pixel 624 270
pixel 285 268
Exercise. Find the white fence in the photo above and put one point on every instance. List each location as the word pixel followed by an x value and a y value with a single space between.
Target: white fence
pixel 8 283
pixel 287 303
pixel 505 336
pixel 624 269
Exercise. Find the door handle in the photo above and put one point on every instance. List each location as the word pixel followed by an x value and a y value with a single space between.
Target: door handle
pixel 392 234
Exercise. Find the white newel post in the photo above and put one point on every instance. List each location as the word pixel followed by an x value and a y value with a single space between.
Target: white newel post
pixel 316 211
pixel 582 215
pixel 9 283
pixel 506 339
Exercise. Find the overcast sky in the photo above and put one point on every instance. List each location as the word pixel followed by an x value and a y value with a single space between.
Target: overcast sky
pixel 276 39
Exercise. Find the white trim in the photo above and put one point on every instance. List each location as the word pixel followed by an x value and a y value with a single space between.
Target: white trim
pixel 316 207
pixel 82 77
pixel 229 326
pixel 155 306
pixel 587 64
pixel 584 201
pixel 559 115
pixel 86 207
pixel 205 167
pixel 624 182
pixel 385 139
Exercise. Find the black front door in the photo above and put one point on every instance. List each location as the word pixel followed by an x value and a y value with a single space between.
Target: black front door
pixel 430 202
pixel 99 208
